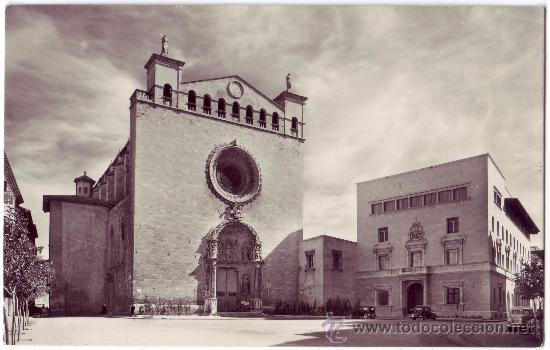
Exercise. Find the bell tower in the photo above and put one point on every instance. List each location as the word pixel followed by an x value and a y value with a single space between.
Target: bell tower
pixel 163 76
pixel 84 185
pixel 293 105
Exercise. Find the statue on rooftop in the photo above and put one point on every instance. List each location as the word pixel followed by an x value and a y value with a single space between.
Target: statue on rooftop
pixel 164 50
pixel 288 81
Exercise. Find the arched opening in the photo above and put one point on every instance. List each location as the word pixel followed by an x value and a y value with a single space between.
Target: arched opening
pixel 415 296
pixel 207 104
pixel 294 126
pixel 235 278
pixel 221 108
pixel 275 121
pixel 236 110
pixel 192 100
pixel 249 115
pixel 262 118
pixel 167 94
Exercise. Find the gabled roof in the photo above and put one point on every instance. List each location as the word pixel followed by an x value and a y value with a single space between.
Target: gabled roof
pixel 10 178
pixel 74 199
pixel 241 80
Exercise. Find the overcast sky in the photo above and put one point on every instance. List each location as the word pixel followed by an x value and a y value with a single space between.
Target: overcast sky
pixel 390 89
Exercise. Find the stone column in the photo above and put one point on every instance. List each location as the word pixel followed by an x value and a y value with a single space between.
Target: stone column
pixel 213 296
pixel 257 301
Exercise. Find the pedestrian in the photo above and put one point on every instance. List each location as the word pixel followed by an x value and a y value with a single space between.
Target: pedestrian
pixel 104 310
pixel 43 311
pixel 132 309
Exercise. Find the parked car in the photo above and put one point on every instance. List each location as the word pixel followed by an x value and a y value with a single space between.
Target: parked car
pixel 521 317
pixel 424 312
pixel 364 312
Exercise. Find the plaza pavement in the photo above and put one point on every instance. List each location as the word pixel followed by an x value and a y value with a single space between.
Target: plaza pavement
pixel 196 331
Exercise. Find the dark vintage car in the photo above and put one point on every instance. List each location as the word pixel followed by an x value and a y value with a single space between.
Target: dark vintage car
pixel 424 312
pixel 365 312
pixel 522 318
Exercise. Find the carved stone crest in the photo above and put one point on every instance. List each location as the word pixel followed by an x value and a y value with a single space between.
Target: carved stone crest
pixel 233 212
pixel 416 232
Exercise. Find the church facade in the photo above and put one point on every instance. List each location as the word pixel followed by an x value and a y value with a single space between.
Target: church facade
pixel 203 207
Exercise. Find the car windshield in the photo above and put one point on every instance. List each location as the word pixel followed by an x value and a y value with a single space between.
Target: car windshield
pixel 521 312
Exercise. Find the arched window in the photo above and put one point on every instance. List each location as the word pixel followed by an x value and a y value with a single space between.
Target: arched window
pixel 236 110
pixel 294 126
pixel 275 121
pixel 262 117
pixel 167 94
pixel 207 104
pixel 221 108
pixel 249 114
pixel 192 100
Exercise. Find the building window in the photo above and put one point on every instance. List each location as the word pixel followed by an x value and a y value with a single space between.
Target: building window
pixel 383 297
pixel 310 260
pixel 402 204
pixel 383 262
pixel 377 208
pixel 453 295
pixel 445 196
pixel 497 198
pixel 275 121
pixel 389 206
pixel 460 194
pixel 492 223
pixel 80 190
pixel 167 94
pixel 416 201
pixel 430 198
pixel 500 293
pixel 236 110
pixel 85 190
pixel 249 115
pixel 207 104
pixel 451 256
pixel 506 236
pixel 122 233
pixel 221 108
pixel 498 228
pixel 294 125
pixel 452 225
pixel 262 117
pixel 192 100
pixel 5 185
pixel 416 259
pixel 336 260
pixel 383 234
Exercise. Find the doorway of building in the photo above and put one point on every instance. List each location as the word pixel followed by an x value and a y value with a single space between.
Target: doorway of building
pixel 226 289
pixel 415 296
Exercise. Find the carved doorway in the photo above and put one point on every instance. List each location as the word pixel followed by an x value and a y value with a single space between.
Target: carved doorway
pixel 415 296
pixel 234 268
pixel 226 289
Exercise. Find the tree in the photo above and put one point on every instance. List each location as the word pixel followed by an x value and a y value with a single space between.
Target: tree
pixel 530 284
pixel 26 275
pixel 530 281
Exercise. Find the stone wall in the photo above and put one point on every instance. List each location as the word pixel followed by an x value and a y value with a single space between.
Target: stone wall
pixel 77 250
pixel 175 209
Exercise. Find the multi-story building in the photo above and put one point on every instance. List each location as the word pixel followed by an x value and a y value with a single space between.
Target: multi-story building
pixel 449 236
pixel 202 206
pixel 13 199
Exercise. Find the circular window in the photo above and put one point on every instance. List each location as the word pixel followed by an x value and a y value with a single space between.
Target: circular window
pixel 232 174
pixel 235 89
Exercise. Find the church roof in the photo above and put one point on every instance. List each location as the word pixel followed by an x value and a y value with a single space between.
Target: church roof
pixel 242 81
pixel 10 178
pixel 74 199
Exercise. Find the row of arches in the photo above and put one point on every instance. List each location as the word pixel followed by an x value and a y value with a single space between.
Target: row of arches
pixel 235 109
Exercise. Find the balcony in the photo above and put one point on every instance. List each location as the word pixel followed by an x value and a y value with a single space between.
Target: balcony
pixel 414 270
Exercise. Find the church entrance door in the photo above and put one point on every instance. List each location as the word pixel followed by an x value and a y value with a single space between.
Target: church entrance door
pixel 226 289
